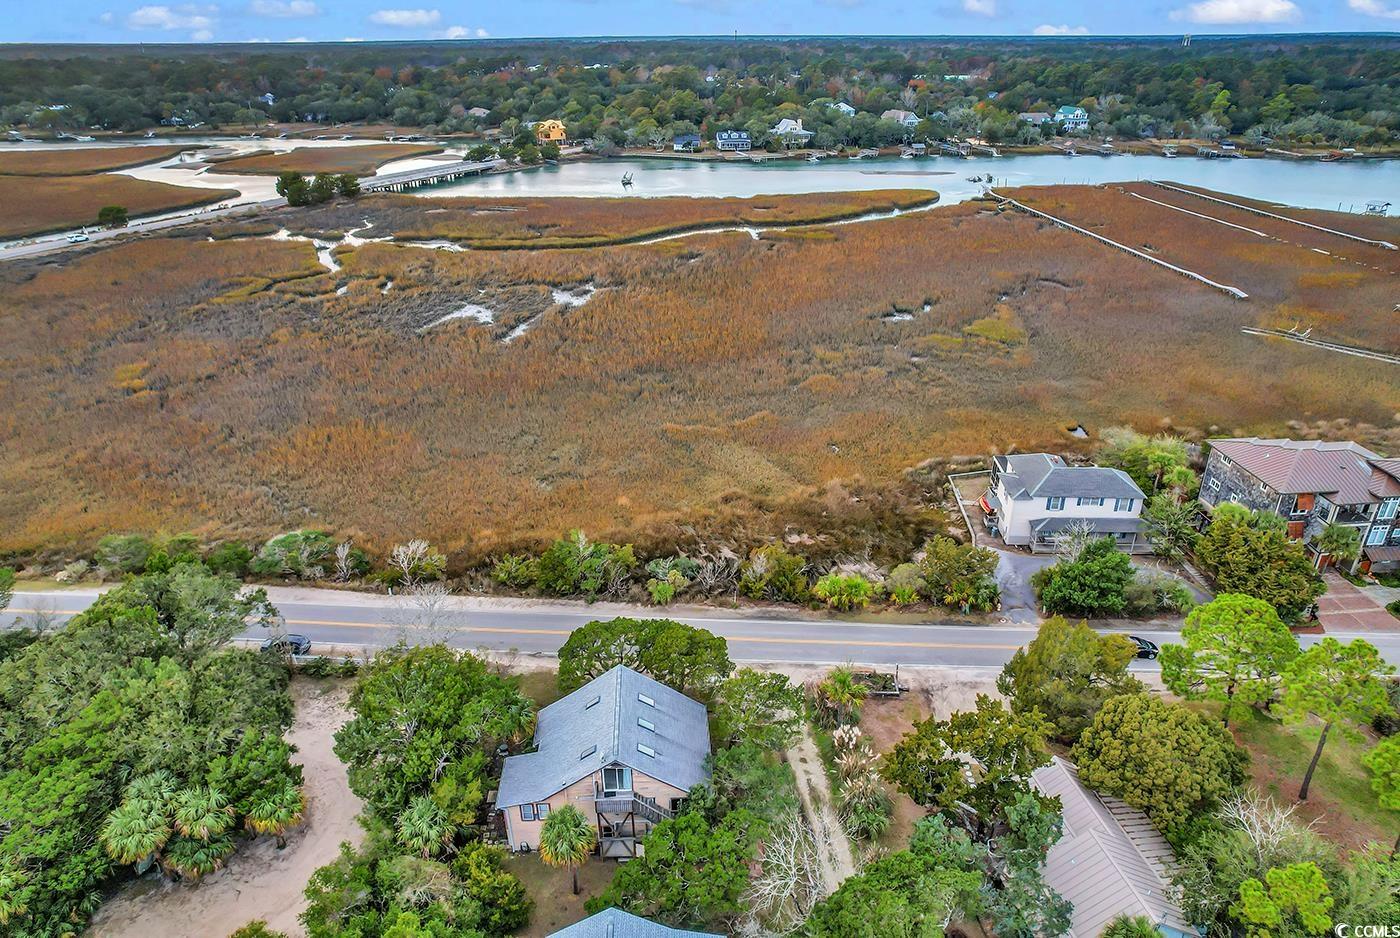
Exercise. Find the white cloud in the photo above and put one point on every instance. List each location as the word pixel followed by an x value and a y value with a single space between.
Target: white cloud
pixel 1374 8
pixel 1239 11
pixel 980 7
pixel 199 20
pixel 461 32
pixel 406 19
pixel 107 18
pixel 1048 30
pixel 284 9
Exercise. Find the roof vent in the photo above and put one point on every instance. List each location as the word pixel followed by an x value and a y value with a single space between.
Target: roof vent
pixel 646 750
pixel 646 700
pixel 588 752
pixel 593 702
pixel 646 724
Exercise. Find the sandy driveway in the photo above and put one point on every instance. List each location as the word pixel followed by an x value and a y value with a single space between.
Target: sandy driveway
pixel 260 881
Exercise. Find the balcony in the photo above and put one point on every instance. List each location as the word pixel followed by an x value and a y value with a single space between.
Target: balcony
pixel 622 803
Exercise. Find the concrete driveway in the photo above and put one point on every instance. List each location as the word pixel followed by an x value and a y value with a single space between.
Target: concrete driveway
pixel 1346 608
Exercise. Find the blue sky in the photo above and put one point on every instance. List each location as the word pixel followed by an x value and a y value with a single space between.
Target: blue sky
pixel 283 20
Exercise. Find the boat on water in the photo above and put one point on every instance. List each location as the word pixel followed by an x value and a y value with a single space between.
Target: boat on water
pixel 814 158
pixel 627 180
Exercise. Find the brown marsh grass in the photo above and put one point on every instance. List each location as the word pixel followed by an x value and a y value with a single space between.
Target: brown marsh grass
pixel 359 160
pixel 35 205
pixel 714 383
pixel 82 162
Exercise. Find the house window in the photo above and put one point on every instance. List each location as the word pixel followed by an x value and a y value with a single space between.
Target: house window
pixel 1375 537
pixel 616 778
pixel 646 724
pixel 588 752
pixel 1057 503
pixel 527 812
pixel 1095 502
pixel 1395 534
pixel 1213 483
pixel 1123 504
pixel 1388 509
pixel 593 702
pixel 646 750
pixel 646 700
pixel 542 810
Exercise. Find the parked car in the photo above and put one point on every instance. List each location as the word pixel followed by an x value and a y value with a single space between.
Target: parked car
pixel 1145 649
pixel 290 644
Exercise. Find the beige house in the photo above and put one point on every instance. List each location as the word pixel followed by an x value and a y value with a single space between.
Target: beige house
pixel 623 749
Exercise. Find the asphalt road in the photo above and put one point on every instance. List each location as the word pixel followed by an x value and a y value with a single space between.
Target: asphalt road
pixel 47 244
pixel 333 618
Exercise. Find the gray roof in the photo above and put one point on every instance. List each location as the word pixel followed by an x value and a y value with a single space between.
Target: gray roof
pixel 599 725
pixel 1347 470
pixel 615 923
pixel 1044 475
pixel 1111 861
pixel 1098 525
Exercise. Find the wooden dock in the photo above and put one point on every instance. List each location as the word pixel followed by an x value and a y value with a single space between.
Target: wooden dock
pixel 1329 346
pixel 1259 211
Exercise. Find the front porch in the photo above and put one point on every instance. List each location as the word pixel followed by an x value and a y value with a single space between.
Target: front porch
pixel 1129 534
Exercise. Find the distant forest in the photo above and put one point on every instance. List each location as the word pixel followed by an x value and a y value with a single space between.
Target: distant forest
pixel 1321 90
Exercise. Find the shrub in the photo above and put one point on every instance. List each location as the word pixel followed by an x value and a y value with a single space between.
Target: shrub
pixel 1092 585
pixel 574 565
pixel 844 591
pixel 1151 594
pixel 302 554
pixel 960 575
pixel 231 558
pixel 320 666
pixel 905 584
pixel 123 553
pixel 515 571
pixel 773 573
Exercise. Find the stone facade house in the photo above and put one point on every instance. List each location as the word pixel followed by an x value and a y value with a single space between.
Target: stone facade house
pixel 1311 484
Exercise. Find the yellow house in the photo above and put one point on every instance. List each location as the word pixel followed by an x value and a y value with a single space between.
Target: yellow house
pixel 623 749
pixel 550 131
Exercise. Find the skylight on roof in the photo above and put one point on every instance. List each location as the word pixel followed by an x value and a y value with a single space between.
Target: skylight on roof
pixel 588 752
pixel 646 750
pixel 646 724
pixel 592 702
pixel 646 700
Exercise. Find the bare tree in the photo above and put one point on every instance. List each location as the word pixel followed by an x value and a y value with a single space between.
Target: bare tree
pixel 718 570
pixel 423 614
pixel 783 893
pixel 344 561
pixel 1270 827
pixel 415 561
pixel 1071 540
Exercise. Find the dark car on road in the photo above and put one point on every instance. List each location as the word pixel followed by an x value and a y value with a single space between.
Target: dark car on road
pixel 1145 649
pixel 290 644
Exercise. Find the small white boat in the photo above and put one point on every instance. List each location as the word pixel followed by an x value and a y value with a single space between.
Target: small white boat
pixel 814 158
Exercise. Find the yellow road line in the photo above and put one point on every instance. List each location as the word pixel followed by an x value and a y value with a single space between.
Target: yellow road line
pixel 754 639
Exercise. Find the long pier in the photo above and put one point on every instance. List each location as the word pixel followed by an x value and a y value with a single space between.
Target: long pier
pixel 429 175
pixel 1329 346
pixel 1259 211
pixel 1235 292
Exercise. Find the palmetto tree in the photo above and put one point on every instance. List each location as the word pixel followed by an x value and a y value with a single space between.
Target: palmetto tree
pixel 567 839
pixel 192 859
pixel 839 698
pixel 12 904
pixel 202 813
pixel 425 827
pixel 276 811
pixel 139 827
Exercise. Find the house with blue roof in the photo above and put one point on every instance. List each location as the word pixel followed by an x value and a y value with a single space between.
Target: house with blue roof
pixel 615 923
pixel 623 749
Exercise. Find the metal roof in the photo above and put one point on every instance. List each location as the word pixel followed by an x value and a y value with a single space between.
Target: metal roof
pixel 615 923
pixel 1044 475
pixel 601 724
pixel 1111 861
pixel 1347 473
pixel 1098 525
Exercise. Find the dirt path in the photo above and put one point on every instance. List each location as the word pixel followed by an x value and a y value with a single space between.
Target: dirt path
pixel 260 882
pixel 833 846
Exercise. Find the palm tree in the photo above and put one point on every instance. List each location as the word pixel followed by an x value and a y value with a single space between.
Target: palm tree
pixel 567 839
pixel 202 813
pixel 275 812
pixel 135 832
pixel 192 858
pixel 839 697
pixel 424 827
pixel 12 906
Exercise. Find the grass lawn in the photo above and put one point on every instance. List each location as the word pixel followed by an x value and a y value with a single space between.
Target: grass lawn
pixel 552 890
pixel 540 686
pixel 1340 801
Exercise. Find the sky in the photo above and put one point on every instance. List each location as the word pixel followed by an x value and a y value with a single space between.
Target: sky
pixel 321 20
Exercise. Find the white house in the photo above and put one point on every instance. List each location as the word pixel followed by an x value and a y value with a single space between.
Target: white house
pixel 790 132
pixel 907 118
pixel 736 140
pixel 1072 119
pixel 1034 496
pixel 844 108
